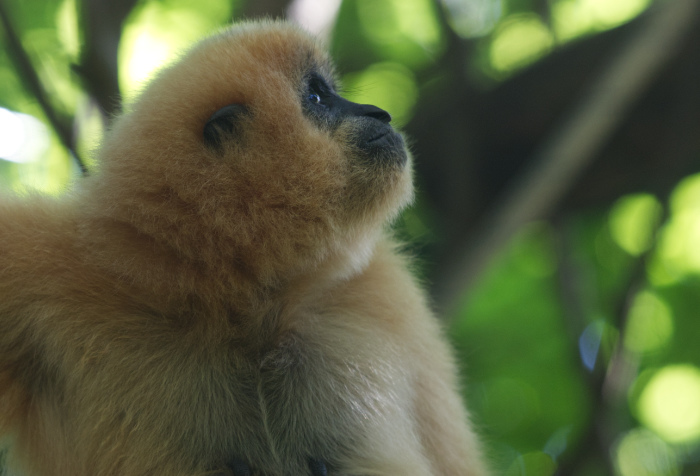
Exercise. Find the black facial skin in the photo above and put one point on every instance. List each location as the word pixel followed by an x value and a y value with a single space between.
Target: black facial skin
pixel 374 137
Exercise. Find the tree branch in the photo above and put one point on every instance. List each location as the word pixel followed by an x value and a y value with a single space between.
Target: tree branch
pixel 32 83
pixel 574 145
pixel 102 26
pixel 266 8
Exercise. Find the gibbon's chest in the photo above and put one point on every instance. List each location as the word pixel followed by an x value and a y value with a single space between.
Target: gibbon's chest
pixel 317 393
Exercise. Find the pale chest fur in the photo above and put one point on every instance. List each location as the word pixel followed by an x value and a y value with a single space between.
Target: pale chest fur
pixel 334 388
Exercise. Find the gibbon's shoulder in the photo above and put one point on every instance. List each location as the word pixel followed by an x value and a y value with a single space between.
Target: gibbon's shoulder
pixel 32 225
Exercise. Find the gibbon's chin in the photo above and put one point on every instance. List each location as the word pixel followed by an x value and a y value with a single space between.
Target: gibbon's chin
pixel 383 146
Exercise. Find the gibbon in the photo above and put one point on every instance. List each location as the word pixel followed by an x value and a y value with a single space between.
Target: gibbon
pixel 222 295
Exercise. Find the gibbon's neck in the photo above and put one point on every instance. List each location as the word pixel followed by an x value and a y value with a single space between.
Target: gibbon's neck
pixel 154 255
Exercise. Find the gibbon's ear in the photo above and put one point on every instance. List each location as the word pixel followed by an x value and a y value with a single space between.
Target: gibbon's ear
pixel 224 124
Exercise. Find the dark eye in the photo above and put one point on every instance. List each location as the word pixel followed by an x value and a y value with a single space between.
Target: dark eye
pixel 315 98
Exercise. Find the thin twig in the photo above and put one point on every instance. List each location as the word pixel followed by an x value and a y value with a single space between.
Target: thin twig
pixel 592 443
pixel 575 144
pixel 608 382
pixel 102 23
pixel 266 9
pixel 33 84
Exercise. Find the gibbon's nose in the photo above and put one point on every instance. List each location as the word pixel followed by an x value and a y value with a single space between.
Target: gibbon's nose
pixel 368 110
pixel 349 108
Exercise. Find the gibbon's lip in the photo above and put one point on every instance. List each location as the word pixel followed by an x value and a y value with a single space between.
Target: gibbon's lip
pixel 379 136
pixel 384 145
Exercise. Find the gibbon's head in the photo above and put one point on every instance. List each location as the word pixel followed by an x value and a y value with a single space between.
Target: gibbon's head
pixel 244 152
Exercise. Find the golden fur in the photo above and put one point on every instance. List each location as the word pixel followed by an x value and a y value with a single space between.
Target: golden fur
pixel 186 306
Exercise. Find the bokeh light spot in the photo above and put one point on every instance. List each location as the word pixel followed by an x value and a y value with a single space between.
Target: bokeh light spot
pixel 317 16
pixel 633 220
pixel 520 40
pixel 156 32
pixel 678 254
pixel 23 138
pixel 572 18
pixel 642 453
pixel 669 404
pixel 390 86
pixel 609 14
pixel 471 18
pixel 649 325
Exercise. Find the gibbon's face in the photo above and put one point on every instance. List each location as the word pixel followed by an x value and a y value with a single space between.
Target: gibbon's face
pixel 249 134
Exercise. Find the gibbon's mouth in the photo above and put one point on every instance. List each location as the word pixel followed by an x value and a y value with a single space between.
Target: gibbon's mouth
pixel 380 136
pixel 384 145
pixel 384 137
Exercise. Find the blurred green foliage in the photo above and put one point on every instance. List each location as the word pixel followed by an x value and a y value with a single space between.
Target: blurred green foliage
pixel 546 366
